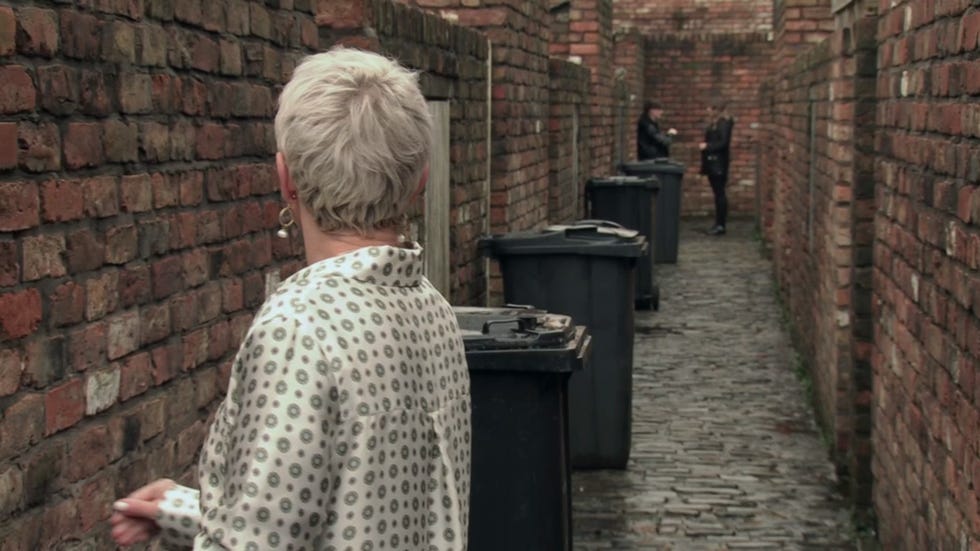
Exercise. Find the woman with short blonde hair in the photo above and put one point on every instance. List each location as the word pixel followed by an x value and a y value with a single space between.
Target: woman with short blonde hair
pixel 347 419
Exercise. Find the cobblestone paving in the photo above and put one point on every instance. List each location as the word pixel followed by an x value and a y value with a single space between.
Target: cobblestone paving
pixel 726 453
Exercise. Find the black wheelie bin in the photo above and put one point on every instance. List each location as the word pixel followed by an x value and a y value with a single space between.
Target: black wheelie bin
pixel 631 202
pixel 520 361
pixel 587 272
pixel 670 173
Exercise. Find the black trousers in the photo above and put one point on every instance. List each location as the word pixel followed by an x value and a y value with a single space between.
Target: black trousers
pixel 721 199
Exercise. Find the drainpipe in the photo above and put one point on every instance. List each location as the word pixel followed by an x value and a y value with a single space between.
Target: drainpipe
pixel 487 188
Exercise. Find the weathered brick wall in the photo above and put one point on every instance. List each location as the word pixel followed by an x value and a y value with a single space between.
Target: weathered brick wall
pixel 568 128
pixel 581 30
pixel 704 16
pixel 453 65
pixel 798 25
pixel 686 73
pixel 591 39
pixel 926 278
pixel 820 161
pixel 138 209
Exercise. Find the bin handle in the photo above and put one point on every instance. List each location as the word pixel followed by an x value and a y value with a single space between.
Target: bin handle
pixel 584 352
pixel 600 223
pixel 524 323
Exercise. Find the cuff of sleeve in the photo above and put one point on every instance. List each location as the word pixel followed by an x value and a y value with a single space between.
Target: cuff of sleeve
pixel 179 517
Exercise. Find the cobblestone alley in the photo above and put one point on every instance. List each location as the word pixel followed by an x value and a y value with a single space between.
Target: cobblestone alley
pixel 726 452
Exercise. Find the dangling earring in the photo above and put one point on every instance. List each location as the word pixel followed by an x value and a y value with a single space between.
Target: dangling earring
pixel 285 220
pixel 405 228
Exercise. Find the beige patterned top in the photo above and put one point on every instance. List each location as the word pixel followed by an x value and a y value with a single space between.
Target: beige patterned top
pixel 347 420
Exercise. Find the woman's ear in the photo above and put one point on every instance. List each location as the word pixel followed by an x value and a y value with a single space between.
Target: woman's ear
pixel 424 179
pixel 286 186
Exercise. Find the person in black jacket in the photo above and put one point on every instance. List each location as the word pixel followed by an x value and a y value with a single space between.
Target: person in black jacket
pixel 651 142
pixel 715 159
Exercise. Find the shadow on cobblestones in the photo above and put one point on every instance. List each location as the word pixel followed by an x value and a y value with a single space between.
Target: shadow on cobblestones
pixel 726 452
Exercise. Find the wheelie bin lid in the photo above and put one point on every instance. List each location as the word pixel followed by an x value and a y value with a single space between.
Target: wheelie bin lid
pixel 586 237
pixel 653 166
pixel 645 182
pixel 521 338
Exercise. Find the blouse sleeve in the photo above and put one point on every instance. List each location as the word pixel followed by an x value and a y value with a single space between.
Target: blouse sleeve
pixel 179 517
pixel 272 447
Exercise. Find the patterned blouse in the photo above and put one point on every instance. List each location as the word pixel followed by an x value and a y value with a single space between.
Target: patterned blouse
pixel 347 420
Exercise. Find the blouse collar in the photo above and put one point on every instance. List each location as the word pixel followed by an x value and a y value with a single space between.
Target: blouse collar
pixel 379 265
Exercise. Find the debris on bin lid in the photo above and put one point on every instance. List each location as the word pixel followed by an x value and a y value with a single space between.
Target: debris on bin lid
pixel 588 238
pixel 647 181
pixel 512 328
pixel 625 233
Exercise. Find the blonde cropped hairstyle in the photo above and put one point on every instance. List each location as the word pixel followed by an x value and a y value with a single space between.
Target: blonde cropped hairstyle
pixel 355 132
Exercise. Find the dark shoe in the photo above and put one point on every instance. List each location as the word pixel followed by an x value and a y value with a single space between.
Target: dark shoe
pixel 717 230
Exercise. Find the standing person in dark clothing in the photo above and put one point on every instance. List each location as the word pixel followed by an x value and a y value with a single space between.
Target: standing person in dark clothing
pixel 651 142
pixel 715 159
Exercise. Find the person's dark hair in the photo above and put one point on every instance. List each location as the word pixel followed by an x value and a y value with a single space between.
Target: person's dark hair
pixel 651 105
pixel 719 104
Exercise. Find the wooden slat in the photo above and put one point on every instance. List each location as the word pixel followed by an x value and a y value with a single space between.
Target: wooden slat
pixel 437 201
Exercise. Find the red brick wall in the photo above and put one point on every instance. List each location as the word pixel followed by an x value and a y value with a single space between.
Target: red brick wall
pixel 682 16
pixel 926 278
pixel 138 209
pixel 685 73
pixel 798 25
pixel 596 51
pixel 568 96
pixel 819 166
pixel 589 41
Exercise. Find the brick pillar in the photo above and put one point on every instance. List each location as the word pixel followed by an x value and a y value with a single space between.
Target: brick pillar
pixel 798 25
pixel 591 40
pixel 568 147
pixel 863 49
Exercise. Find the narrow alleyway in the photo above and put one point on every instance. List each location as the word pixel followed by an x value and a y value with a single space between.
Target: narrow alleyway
pixel 726 452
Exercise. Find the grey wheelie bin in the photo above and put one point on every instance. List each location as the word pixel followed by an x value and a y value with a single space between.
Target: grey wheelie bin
pixel 630 201
pixel 668 214
pixel 520 486
pixel 586 272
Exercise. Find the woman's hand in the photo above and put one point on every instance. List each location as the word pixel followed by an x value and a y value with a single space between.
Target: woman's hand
pixel 135 518
pixel 672 132
pixel 702 146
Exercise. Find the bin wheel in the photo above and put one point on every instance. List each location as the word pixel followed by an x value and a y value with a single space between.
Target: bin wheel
pixel 651 302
